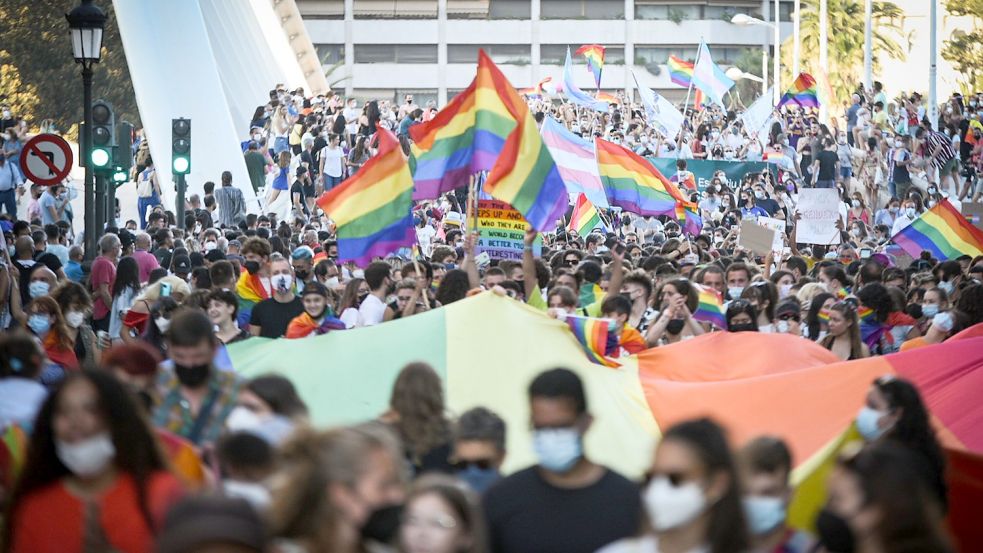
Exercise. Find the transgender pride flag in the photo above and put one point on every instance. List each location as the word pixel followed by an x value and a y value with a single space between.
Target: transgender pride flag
pixel 574 158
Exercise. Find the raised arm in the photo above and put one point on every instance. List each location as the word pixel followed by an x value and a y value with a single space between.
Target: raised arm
pixel 529 263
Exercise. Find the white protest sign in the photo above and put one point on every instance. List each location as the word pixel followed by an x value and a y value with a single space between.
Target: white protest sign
pixel 778 226
pixel 820 209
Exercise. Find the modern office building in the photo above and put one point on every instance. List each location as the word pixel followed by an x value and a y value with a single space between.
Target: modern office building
pixel 388 48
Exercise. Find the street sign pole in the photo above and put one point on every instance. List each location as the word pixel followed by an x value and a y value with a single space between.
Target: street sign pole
pixel 91 238
pixel 100 203
pixel 179 202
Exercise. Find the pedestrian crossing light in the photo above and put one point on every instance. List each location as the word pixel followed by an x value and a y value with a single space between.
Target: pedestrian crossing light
pixel 181 146
pixel 103 135
pixel 119 175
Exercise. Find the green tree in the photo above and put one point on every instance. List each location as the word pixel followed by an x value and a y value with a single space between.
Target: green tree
pixel 965 49
pixel 21 97
pixel 36 37
pixel 846 42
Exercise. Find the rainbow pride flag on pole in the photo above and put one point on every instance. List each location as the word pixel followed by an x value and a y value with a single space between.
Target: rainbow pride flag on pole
pixel 573 92
pixel 585 217
pixel 373 208
pixel 488 127
pixel 634 184
pixel 943 231
pixel 595 60
pixel 680 72
pixel 595 338
pixel 687 216
pixel 711 307
pixel 803 92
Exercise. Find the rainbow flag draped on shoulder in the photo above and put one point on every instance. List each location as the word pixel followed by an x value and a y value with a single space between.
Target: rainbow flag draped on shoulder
pixel 250 291
pixel 634 184
pixel 943 231
pixel 373 208
pixel 488 127
pixel 803 92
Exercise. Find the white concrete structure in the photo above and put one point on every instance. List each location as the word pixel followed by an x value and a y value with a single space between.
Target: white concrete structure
pixel 429 47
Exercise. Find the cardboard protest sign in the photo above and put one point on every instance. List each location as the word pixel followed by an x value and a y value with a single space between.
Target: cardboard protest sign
pixel 501 230
pixel 778 226
pixel 820 209
pixel 756 238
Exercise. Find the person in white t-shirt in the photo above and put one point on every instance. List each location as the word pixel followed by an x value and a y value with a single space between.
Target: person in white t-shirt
pixel 374 310
pixel 425 233
pixel 332 158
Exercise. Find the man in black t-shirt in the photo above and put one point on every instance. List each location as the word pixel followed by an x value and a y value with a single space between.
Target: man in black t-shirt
pixel 826 166
pixel 271 317
pixel 298 193
pixel 566 503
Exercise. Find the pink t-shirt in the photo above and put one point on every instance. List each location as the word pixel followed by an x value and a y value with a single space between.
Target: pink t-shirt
pixel 147 262
pixel 103 272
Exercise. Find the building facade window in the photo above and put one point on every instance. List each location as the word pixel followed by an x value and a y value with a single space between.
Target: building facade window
pixel 489 9
pixel 513 54
pixel 556 54
pixel 722 54
pixel 582 9
pixel 395 9
pixel 321 9
pixel 395 53
pixel 330 54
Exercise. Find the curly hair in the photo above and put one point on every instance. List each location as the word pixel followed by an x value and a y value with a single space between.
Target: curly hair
pixel 876 297
pixel 418 399
pixel 453 287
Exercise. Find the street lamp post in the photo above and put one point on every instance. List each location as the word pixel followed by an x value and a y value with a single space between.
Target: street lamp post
pixel 86 23
pixel 745 20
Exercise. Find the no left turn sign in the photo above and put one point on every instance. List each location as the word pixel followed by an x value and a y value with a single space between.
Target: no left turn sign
pixel 46 159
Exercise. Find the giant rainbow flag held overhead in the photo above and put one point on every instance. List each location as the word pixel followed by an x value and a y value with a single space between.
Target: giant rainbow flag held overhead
pixel 803 92
pixel 634 184
pixel 943 231
pixel 595 60
pixel 488 127
pixel 574 157
pixel 373 208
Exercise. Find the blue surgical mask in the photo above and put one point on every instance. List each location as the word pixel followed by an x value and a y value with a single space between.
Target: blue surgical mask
pixel 38 288
pixel 947 286
pixel 735 291
pixel 867 420
pixel 764 513
pixel 558 449
pixel 479 479
pixel 39 323
pixel 930 310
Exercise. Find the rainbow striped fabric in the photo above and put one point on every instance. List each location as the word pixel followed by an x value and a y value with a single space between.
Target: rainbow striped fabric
pixel 709 77
pixel 943 231
pixel 803 92
pixel 606 97
pixel 584 218
pixel 488 127
pixel 634 184
pixel 595 338
pixel 250 291
pixel 573 92
pixel 595 60
pixel 687 216
pixel 574 157
pixel 536 91
pixel 373 208
pixel 680 72
pixel 711 307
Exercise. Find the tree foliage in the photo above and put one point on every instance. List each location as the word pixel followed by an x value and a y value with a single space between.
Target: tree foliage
pixel 845 34
pixel 965 50
pixel 38 43
pixel 21 97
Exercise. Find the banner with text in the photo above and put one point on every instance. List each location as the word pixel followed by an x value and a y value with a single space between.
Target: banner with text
pixel 703 169
pixel 501 230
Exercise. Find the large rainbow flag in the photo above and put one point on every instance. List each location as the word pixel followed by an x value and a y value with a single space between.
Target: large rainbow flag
pixel 574 157
pixel 584 217
pixel 634 184
pixel 943 231
pixel 803 92
pixel 488 127
pixel 487 349
pixel 373 208
pixel 594 53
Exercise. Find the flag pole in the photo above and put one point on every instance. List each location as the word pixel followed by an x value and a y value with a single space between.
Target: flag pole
pixel 689 90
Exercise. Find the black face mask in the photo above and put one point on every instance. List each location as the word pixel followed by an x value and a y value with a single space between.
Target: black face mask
pixel 302 274
pixel 743 327
pixel 675 326
pixel 383 524
pixel 834 533
pixel 192 376
pixel 361 297
pixel 252 267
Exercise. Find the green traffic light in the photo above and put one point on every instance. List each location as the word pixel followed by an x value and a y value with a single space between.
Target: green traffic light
pixel 181 165
pixel 119 176
pixel 100 157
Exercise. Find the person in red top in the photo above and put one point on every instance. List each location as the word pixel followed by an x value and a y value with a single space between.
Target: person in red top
pixel 94 479
pixel 145 260
pixel 101 280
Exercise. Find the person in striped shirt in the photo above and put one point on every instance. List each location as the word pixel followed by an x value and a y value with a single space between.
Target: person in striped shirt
pixel 940 153
pixel 231 205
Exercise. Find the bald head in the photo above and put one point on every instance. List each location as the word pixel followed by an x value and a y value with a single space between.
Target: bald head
pixel 24 247
pixel 142 241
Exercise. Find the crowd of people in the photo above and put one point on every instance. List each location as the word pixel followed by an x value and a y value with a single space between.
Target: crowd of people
pixel 136 432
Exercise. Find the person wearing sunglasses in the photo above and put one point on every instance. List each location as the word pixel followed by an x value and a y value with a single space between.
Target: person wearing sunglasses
pixel 479 448
pixel 692 495
pixel 788 317
pixel 844 332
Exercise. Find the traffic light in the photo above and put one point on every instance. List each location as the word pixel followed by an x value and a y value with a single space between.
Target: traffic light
pixel 103 136
pixel 120 175
pixel 180 146
pixel 124 147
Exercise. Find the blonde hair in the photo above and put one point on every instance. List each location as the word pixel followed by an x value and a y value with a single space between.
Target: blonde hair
pixel 311 461
pixel 178 287
pixel 809 291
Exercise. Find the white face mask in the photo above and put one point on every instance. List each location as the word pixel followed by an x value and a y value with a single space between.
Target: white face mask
pixel 88 457
pixel 331 282
pixel 358 273
pixel 210 245
pixel 256 494
pixel 281 283
pixel 671 506
pixel 241 418
pixel 74 318
pixel 162 324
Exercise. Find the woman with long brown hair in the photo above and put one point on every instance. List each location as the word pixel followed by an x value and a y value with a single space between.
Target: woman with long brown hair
pixel 844 332
pixel 45 320
pixel 417 413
